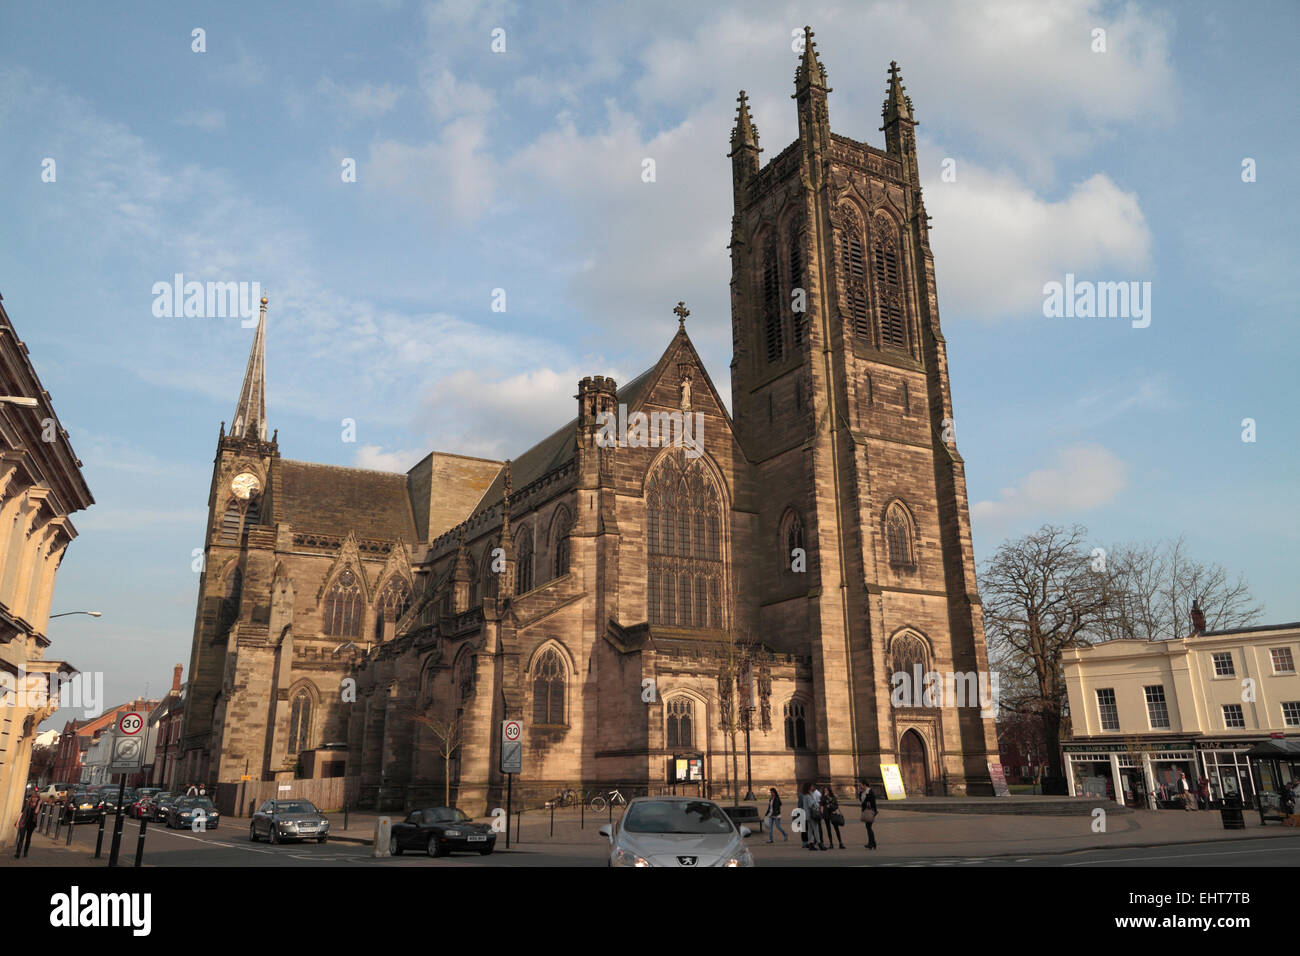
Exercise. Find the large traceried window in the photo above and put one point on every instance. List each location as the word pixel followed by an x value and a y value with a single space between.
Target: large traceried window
pixel 681 724
pixel 393 602
pixel 300 722
pixel 343 606
pixel 906 654
pixel 548 688
pixel 524 563
pixel 560 531
pixel 853 272
pixel 684 545
pixel 889 285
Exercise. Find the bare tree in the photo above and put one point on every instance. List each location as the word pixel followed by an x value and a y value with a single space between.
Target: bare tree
pixel 1042 593
pixel 446 733
pixel 1158 585
pixel 744 684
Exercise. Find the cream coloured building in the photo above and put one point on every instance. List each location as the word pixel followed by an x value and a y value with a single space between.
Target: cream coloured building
pixel 1144 711
pixel 40 485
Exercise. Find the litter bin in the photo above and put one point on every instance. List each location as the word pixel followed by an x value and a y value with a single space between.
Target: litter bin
pixel 1233 816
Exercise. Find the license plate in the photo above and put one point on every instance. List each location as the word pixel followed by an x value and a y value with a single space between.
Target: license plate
pixel 478 839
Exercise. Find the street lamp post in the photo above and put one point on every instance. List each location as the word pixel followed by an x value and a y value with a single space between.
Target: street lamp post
pixel 66 613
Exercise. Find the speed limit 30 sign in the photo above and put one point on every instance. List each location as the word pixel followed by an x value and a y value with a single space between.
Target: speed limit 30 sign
pixel 512 746
pixel 131 723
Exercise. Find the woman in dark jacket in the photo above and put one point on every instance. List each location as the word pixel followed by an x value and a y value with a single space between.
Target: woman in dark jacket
pixel 774 815
pixel 867 800
pixel 831 817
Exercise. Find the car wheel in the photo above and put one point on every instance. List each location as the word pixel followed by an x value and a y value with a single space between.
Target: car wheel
pixel 252 833
pixel 432 847
pixel 394 848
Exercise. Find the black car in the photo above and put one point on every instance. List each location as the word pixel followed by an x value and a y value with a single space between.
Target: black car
pixel 84 804
pixel 284 820
pixel 108 799
pixel 161 805
pixel 187 810
pixel 439 831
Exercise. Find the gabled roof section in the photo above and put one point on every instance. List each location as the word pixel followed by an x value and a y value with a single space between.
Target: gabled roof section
pixel 558 448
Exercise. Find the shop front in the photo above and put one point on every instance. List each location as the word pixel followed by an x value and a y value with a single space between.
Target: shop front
pixel 1225 765
pixel 1136 773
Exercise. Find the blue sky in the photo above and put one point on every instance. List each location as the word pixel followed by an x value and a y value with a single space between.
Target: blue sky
pixel 521 170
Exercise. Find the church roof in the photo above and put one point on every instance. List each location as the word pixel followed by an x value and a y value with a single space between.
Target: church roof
pixel 556 449
pixel 329 498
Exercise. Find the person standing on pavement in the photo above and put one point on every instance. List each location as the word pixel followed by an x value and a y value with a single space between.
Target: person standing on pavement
pixel 831 817
pixel 867 801
pixel 774 815
pixel 805 805
pixel 1184 791
pixel 26 824
pixel 815 813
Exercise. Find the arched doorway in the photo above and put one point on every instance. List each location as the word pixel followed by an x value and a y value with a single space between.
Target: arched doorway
pixel 912 763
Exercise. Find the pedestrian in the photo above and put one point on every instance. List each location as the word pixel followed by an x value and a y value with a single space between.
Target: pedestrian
pixel 1184 791
pixel 774 815
pixel 26 824
pixel 832 819
pixel 815 812
pixel 191 791
pixel 203 790
pixel 867 801
pixel 1203 794
pixel 805 806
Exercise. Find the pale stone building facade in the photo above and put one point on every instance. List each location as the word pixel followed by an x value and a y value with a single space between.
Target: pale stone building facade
pixel 41 485
pixel 590 590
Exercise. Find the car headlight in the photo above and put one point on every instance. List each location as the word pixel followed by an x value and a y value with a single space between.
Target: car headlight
pixel 452 833
pixel 624 857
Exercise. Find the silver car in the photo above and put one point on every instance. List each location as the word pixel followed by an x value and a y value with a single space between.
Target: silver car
pixel 676 831
pixel 284 820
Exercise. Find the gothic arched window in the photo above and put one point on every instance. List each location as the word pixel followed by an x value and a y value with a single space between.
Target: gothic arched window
pixel 548 688
pixel 300 722
pixel 796 725
pixel 393 602
pixel 773 341
pixel 231 523
pixel 524 563
pixel 798 320
pixel 488 577
pixel 230 598
pixel 343 607
pixel 853 272
pixel 681 724
pixel 889 286
pixel 560 531
pixel 906 653
pixel 792 539
pixel 899 537
pixel 684 545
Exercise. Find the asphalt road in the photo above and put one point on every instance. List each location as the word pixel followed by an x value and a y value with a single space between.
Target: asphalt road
pixel 1245 853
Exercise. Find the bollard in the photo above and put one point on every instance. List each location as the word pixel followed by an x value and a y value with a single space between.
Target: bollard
pixel 582 815
pixel 345 816
pixel 99 839
pixel 519 822
pixel 71 822
pixel 383 833
pixel 552 818
pixel 58 821
pixel 139 843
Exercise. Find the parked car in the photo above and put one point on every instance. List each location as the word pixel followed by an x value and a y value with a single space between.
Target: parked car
pixel 85 805
pixel 142 797
pixel 186 810
pixel 439 831
pixel 161 805
pixel 676 831
pixel 56 793
pixel 281 820
pixel 108 798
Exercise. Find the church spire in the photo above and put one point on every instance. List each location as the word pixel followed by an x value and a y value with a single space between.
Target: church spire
pixel 898 106
pixel 250 413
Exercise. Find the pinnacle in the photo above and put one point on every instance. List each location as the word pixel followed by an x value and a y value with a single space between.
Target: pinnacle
pixel 745 132
pixel 897 104
pixel 810 71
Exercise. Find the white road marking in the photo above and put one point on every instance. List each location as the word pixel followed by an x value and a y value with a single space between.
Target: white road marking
pixel 1180 856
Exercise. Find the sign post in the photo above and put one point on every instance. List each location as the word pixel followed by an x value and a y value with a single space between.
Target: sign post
pixel 126 756
pixel 512 761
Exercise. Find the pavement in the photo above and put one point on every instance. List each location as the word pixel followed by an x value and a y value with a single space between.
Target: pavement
pixel 914 838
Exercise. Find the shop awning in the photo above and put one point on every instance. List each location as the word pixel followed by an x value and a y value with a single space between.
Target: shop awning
pixel 1276 749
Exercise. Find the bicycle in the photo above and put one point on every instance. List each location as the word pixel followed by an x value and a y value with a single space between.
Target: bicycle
pixel 566 798
pixel 602 800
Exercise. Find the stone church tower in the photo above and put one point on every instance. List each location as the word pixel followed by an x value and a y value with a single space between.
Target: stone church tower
pixel 843 408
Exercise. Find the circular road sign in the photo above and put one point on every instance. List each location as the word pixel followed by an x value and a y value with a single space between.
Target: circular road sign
pixel 513 730
pixel 130 724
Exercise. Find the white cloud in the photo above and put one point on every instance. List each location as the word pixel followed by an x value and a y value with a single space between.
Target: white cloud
pixel 361 99
pixel 203 119
pixel 996 242
pixel 1080 478
pixel 376 459
pixel 452 175
pixel 448 96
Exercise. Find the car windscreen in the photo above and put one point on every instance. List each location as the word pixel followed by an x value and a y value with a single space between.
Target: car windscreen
pixel 676 816
pixel 445 815
pixel 297 806
pixel 196 803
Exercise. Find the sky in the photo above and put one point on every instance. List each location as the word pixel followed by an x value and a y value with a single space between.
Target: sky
pixel 519 168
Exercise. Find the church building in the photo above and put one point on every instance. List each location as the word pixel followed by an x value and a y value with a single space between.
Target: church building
pixel 657 579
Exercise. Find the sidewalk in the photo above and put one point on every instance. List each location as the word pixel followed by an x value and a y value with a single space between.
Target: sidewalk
pixel 913 833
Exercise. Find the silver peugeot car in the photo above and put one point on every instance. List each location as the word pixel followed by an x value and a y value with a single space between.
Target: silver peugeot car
pixel 676 831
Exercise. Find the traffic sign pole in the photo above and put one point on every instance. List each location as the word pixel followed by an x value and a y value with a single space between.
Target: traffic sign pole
pixel 510 779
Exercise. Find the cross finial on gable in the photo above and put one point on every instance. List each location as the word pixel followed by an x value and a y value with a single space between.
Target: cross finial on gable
pixel 681 312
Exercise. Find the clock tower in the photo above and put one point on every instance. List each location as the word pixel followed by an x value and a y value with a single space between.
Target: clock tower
pixel 238 559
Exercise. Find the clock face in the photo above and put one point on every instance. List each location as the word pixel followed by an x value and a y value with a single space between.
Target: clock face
pixel 245 485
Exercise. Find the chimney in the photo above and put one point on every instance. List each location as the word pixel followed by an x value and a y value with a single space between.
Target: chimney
pixel 1198 617
pixel 176 678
